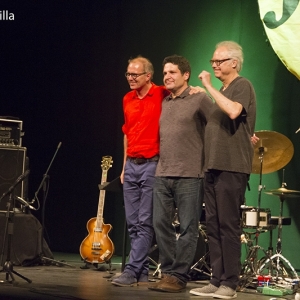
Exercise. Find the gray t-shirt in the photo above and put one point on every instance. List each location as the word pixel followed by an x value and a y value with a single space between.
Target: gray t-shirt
pixel 182 124
pixel 228 145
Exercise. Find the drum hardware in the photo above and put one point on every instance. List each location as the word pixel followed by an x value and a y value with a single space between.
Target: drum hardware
pixel 157 271
pixel 278 262
pixel 251 266
pixel 269 157
pixel 202 265
pixel 250 214
pixel 250 220
pixel 153 256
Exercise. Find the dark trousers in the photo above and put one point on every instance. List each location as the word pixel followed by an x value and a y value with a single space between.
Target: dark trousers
pixel 138 202
pixel 223 196
pixel 177 251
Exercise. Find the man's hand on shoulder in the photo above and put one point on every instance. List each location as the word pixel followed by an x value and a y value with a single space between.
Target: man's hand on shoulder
pixel 196 89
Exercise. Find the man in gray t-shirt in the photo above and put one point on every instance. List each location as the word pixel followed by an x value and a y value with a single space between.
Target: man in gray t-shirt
pixel 179 174
pixel 228 163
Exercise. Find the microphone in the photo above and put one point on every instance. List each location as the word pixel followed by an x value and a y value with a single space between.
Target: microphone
pixel 19 179
pixel 25 203
pixel 297 130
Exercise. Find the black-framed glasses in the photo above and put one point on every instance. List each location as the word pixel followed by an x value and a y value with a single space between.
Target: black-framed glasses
pixel 218 62
pixel 133 75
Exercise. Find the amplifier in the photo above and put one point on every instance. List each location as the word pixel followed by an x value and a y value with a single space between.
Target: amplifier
pixel 11 132
pixel 12 165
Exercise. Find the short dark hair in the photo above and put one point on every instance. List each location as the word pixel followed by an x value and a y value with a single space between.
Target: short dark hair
pixel 180 61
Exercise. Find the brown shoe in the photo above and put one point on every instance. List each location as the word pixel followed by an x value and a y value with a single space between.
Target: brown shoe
pixel 169 284
pixel 153 285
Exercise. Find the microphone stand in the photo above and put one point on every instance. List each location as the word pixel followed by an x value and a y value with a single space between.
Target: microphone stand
pixel 45 184
pixel 9 230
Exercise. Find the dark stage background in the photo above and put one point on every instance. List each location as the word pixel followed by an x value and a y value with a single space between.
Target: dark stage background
pixel 62 73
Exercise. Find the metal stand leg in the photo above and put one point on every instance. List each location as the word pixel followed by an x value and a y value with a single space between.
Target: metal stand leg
pixel 157 271
pixel 202 265
pixel 9 230
pixel 281 266
pixel 277 263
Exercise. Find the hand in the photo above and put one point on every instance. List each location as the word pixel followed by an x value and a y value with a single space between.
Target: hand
pixel 122 177
pixel 196 90
pixel 254 139
pixel 204 76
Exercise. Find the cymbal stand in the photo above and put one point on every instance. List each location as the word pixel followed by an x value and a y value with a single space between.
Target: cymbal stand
pixel 8 231
pixel 260 187
pixel 278 262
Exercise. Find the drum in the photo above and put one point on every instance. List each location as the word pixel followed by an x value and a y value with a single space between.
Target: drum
pixel 250 214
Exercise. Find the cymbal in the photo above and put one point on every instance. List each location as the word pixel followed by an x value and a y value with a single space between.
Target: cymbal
pixel 277 152
pixel 283 192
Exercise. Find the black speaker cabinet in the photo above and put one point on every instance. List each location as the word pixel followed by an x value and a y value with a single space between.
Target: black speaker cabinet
pixel 12 165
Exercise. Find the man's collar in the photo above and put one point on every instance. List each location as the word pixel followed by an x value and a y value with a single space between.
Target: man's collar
pixel 149 93
pixel 185 93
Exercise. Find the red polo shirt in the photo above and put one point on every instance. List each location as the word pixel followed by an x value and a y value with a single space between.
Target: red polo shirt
pixel 142 121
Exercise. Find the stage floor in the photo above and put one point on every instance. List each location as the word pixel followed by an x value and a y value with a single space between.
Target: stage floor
pixel 70 281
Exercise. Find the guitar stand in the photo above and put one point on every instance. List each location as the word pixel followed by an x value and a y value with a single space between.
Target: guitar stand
pixel 9 228
pixel 101 268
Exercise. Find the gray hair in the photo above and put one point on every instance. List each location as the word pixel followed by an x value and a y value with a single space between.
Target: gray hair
pixel 234 51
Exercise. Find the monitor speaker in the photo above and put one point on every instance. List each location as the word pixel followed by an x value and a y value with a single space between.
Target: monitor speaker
pixel 12 165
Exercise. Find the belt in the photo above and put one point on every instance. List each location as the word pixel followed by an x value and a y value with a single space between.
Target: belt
pixel 141 160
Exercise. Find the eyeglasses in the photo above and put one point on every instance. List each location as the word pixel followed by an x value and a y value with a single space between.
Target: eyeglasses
pixel 133 75
pixel 218 62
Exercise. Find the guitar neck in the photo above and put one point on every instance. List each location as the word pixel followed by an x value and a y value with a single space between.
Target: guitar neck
pixel 99 221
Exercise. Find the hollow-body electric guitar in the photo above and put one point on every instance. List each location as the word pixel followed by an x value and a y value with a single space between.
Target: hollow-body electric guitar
pixel 97 247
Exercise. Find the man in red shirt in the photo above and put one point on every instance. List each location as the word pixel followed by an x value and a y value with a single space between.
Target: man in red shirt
pixel 142 107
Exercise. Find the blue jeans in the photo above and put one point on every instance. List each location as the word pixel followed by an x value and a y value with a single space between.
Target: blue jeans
pixel 176 253
pixel 138 202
